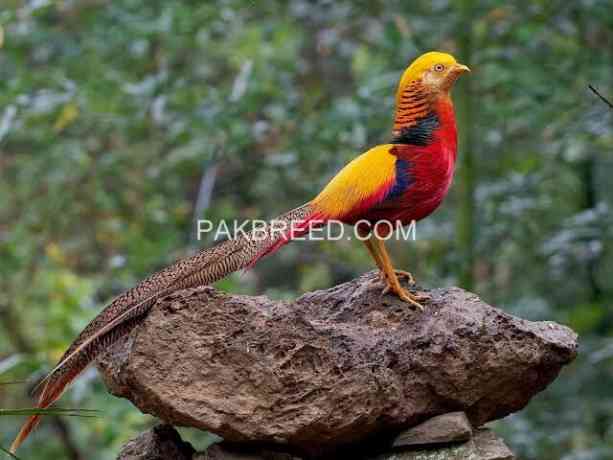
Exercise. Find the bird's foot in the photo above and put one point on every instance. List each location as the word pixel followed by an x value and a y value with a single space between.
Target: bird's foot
pixel 404 274
pixel 405 295
pixel 400 274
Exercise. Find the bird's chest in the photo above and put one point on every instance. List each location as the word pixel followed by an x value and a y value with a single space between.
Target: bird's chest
pixel 430 172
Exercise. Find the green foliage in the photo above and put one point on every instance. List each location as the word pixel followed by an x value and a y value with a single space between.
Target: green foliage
pixel 111 114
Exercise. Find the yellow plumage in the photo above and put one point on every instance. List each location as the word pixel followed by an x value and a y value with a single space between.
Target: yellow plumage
pixel 361 181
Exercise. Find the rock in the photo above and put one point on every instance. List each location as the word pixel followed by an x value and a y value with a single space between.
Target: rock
pixel 457 452
pixel 161 442
pixel 491 447
pixel 446 428
pixel 334 368
pixel 164 443
pixel 222 452
pixel 483 446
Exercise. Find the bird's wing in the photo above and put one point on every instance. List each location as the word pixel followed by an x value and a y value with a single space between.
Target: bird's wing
pixel 362 184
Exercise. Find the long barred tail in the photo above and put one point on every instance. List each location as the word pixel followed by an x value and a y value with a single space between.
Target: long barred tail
pixel 127 310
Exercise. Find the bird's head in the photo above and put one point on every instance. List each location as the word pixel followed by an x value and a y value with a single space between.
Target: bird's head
pixel 434 72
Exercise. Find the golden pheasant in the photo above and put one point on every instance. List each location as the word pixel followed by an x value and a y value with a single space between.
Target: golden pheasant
pixel 399 182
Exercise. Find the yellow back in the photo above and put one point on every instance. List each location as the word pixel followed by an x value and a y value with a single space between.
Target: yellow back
pixel 360 181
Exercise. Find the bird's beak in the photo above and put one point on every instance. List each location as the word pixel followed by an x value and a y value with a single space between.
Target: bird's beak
pixel 460 68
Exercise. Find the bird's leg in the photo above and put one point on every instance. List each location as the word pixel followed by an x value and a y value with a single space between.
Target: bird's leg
pixel 373 253
pixel 393 285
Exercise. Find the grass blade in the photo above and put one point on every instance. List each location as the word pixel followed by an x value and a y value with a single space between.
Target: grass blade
pixel 2 449
pixel 51 411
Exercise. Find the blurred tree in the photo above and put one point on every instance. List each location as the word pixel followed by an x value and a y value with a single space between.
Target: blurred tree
pixel 467 167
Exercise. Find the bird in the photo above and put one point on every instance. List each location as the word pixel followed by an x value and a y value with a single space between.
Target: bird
pixel 399 182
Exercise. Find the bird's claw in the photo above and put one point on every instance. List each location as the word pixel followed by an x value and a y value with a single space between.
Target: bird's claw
pixel 404 274
pixel 407 296
pixel 400 274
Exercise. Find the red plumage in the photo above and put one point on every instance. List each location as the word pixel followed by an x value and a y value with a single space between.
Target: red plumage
pixel 430 169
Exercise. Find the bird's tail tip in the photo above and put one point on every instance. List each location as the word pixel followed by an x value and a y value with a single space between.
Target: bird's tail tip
pixel 25 431
pixel 50 392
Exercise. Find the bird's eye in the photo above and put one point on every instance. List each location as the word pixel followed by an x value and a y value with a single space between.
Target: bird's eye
pixel 438 67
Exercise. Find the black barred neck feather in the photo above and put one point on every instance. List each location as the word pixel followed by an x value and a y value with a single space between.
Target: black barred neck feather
pixel 419 133
pixel 413 103
pixel 415 119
